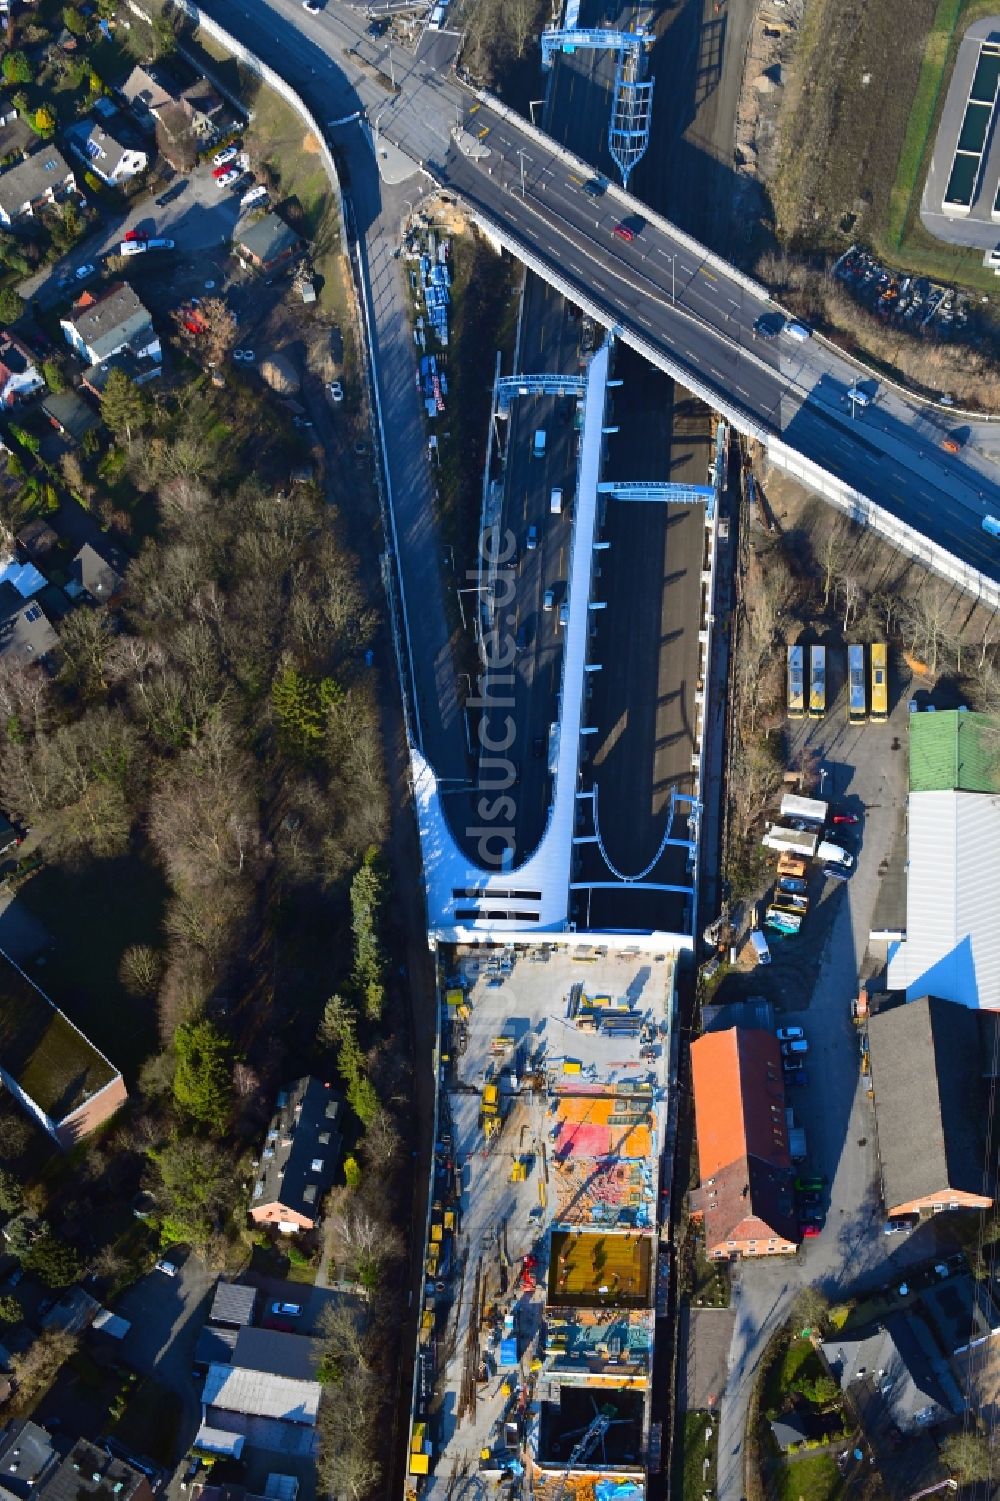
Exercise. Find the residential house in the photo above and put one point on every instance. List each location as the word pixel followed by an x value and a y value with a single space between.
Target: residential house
pixel 744 1198
pixel 205 107
pixel 55 1073
pixel 36 540
pixel 107 151
pixel 16 135
pixel 19 375
pixel 8 109
pixel 267 243
pixel 147 91
pixel 894 1371
pixel 214 1347
pixel 300 1156
pixel 70 415
pixel 25 633
pixel 42 179
pixel 279 1354
pixel 140 369
pixel 952 943
pixel 95 574
pixel 234 1392
pixel 34 1469
pixel 930 1103
pixel 100 327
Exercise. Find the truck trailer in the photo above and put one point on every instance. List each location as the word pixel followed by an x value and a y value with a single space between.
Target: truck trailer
pixel 790 841
pixel 807 809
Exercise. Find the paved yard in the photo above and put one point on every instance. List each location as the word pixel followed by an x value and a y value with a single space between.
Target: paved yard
pixel 706 1335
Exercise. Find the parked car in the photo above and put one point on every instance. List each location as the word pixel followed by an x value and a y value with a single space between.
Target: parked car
pixel 227 154
pixel 168 1268
pixel 845 818
pixel 228 178
pixel 159 244
pixel 797 1076
pixel 837 872
pixel 132 247
pixel 82 272
pixel 809 1232
pixel 797 1046
pixel 244 356
pixel 336 391
pixel 810 1183
pixel 136 234
pixel 286 1310
pixel 789 1034
pixel 220 172
pixel 174 191
pixel 312 6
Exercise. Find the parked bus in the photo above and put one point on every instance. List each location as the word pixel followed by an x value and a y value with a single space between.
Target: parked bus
pixel 880 681
pixel 817 682
pixel 857 700
pixel 796 682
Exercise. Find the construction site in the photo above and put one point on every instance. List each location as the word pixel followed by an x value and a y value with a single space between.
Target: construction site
pixel 544 1273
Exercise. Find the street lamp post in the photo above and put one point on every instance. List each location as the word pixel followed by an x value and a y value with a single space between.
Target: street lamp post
pixel 520 154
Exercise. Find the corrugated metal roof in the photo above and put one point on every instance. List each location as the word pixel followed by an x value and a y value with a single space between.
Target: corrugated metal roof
pixel 952 946
pixel 260 1395
pixel 954 751
pixel 233 1303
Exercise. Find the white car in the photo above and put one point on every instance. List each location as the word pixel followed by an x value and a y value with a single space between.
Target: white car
pixel 168 1268
pixel 789 1034
pixel 228 178
pixel 82 272
pixel 227 154
pixel 286 1310
pixel 312 7
pixel 132 247
pixel 336 391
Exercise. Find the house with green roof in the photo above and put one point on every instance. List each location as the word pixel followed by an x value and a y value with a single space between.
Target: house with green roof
pixel 954 751
pixel 56 1073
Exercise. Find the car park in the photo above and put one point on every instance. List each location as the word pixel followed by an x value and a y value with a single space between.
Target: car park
pixel 789 1034
pixel 286 1310
pixel 227 154
pixel 174 191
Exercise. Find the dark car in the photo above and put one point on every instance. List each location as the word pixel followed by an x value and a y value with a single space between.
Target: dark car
pixel 797 1076
pixel 538 747
pixel 378 28
pixel 768 326
pixel 522 638
pixel 594 187
pixel 810 1200
pixel 174 191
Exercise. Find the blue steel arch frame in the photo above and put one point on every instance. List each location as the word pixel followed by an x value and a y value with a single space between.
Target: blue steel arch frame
pixel 632 104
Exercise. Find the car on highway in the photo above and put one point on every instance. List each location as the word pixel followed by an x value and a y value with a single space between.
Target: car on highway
pixel 538 747
pixel 594 187
pixel 548 599
pixel 228 178
pixel 335 391
pixel 174 191
pixel 950 445
pixel 531 541
pixel 768 326
pixel 82 272
pixel 521 639
pixel 312 6
pixel 168 1268
pixel 991 524
pixel 623 232
pixel 564 613
pixel 798 331
pixel 789 1034
pixel 286 1310
pixel 227 154
pixel 859 397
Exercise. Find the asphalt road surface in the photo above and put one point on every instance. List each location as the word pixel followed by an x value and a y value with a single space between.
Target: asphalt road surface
pixel 694 317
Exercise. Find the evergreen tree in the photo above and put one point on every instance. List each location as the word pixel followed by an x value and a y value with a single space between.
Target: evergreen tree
pixel 203 1076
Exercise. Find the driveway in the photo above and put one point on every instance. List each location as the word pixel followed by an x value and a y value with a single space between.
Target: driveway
pixel 814 987
pixel 202 218
pixel 167 1314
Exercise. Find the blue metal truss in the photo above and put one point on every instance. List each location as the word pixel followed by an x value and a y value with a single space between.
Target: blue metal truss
pixel 632 104
pixel 670 494
pixel 511 386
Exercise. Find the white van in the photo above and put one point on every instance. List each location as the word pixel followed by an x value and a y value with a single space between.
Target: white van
pixel 555 501
pixel 798 331
pixel 760 947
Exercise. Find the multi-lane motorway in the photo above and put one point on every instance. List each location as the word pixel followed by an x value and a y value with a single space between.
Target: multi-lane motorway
pixel 688 311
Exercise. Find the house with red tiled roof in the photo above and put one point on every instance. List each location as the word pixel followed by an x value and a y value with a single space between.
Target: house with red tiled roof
pixel 744 1198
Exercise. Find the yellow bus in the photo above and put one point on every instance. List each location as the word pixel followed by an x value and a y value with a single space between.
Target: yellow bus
pixel 817 682
pixel 880 681
pixel 857 698
pixel 796 682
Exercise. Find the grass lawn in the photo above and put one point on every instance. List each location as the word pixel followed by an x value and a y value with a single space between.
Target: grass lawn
pixel 814 1477
pixel 691 1480
pixel 711 1280
pixel 271 1261
pixel 97 912
pixel 798 1359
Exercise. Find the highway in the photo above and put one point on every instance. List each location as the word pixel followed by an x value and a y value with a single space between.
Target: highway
pixel 694 318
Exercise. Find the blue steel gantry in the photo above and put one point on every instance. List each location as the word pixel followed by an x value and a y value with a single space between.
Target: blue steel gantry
pixel 632 105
